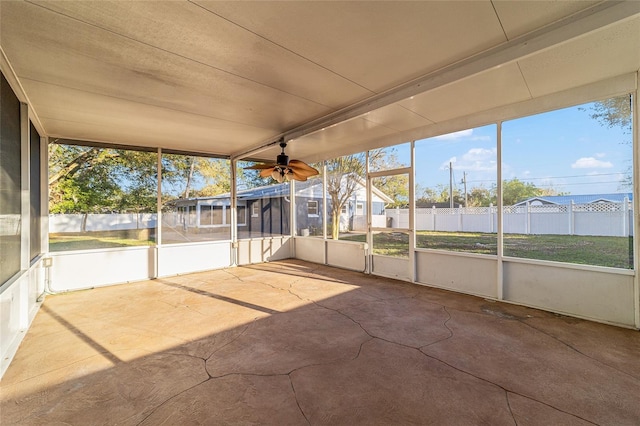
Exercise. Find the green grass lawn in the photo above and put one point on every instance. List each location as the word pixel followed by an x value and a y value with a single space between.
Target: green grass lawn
pixel 587 250
pixel 615 252
pixel 97 240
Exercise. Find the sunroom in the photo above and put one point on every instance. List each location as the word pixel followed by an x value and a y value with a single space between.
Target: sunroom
pixel 131 133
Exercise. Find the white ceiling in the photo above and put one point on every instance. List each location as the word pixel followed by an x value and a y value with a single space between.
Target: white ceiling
pixel 226 77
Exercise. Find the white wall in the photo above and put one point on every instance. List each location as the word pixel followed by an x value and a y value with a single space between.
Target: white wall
pixel 75 270
pixel 598 294
pixel 310 249
pixel 441 269
pixel 18 306
pixel 346 254
pixel 185 258
pixel 259 250
pixel 392 267
pixel 341 254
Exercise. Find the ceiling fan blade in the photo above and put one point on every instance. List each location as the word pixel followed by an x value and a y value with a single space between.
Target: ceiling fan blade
pixel 267 172
pixel 295 175
pixel 260 166
pixel 302 168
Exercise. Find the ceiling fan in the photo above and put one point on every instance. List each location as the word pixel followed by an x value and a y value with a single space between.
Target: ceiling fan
pixel 285 169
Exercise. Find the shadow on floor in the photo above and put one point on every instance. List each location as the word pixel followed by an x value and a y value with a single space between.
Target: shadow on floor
pixel 297 343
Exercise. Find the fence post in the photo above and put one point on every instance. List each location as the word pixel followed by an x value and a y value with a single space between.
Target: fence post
pixel 572 222
pixel 490 217
pixel 527 218
pixel 433 218
pixel 460 212
pixel 625 217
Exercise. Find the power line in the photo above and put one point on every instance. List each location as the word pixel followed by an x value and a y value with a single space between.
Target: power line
pixel 580 183
pixel 549 177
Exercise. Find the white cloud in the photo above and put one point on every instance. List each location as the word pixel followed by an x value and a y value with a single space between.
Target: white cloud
pixel 456 135
pixel 474 160
pixel 591 163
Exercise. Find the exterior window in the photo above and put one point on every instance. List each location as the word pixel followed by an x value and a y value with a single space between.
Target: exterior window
pixel 241 212
pixel 359 209
pixel 344 210
pixel 205 216
pixel 312 208
pixel 255 209
pixel 218 214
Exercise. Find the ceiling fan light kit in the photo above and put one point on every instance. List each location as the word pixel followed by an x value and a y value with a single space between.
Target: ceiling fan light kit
pixel 285 169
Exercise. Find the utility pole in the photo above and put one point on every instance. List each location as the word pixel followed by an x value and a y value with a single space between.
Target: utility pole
pixel 464 181
pixel 450 184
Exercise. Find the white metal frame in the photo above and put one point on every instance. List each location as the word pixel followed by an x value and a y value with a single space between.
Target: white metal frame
pixel 636 201
pixel 389 266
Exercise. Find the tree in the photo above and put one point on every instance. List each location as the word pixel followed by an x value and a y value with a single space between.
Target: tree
pixel 99 180
pixel 613 112
pixel 395 187
pixel 480 196
pixel 514 191
pixel 616 112
pixel 84 179
pixel 438 195
pixel 344 174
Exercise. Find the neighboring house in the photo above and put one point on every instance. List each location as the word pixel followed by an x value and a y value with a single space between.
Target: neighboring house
pixel 260 211
pixel 562 200
pixel 265 210
pixel 353 214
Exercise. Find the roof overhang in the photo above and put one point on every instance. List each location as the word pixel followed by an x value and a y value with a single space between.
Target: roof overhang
pixel 231 78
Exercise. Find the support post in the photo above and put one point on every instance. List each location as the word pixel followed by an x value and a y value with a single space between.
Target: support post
pixel 636 199
pixel 500 230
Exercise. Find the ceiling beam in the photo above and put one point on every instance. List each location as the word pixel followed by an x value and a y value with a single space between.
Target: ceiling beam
pixel 574 26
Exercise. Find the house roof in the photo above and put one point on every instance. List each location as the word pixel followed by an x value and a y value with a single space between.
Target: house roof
pixel 230 78
pixel 580 199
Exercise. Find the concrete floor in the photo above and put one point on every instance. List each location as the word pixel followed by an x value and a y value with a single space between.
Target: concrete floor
pixel 298 343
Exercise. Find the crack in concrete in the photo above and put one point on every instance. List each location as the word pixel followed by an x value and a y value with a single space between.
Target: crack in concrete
pixel 444 324
pixel 419 349
pixel 172 397
pixel 228 271
pixel 506 394
pixel 524 321
pixel 499 386
pixel 295 396
pixel 246 327
pixel 291 291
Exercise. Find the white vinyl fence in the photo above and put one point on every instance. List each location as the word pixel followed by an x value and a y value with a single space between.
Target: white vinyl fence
pixel 63 223
pixel 601 219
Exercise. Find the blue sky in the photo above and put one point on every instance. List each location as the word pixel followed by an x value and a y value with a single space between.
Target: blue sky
pixel 565 150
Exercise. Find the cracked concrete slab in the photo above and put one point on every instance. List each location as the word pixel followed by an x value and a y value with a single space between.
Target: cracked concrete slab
pixel 394 384
pixel 235 399
pixel 285 342
pixel 292 342
pixel 523 360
